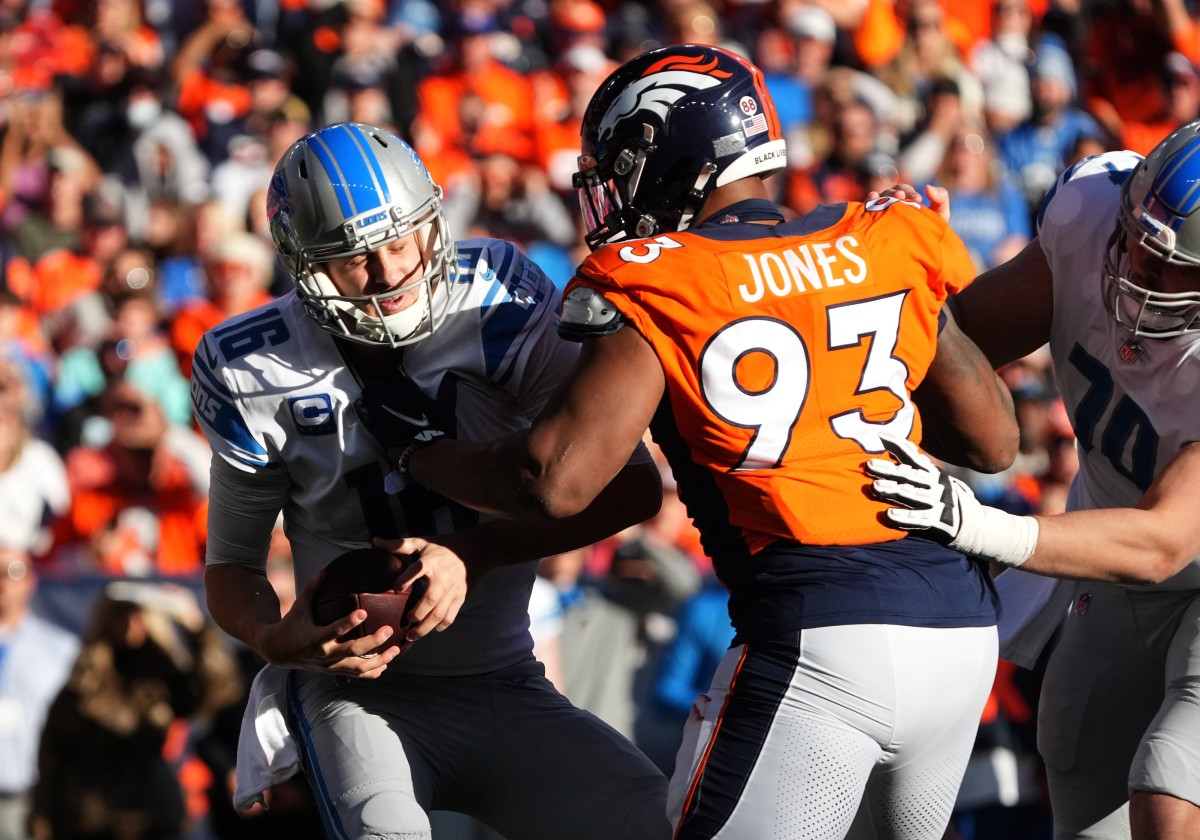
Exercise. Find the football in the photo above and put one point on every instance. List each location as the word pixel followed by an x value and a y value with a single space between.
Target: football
pixel 365 578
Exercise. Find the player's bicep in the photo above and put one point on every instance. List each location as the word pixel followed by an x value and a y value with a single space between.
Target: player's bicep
pixel 966 409
pixel 242 511
pixel 1008 310
pixel 596 420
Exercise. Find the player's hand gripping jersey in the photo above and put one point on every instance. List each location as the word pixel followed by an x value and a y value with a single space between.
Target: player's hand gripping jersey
pixel 786 350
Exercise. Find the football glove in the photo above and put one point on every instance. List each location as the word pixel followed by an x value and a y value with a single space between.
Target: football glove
pixel 926 499
pixel 402 418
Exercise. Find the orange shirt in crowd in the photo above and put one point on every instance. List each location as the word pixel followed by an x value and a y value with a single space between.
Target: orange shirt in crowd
pixel 202 98
pixel 123 525
pixel 193 320
pixel 506 121
pixel 54 281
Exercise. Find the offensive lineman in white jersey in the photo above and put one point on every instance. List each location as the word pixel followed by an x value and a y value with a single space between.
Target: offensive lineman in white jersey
pixel 1112 282
pixel 465 720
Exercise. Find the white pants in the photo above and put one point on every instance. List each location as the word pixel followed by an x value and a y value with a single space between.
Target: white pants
pixel 858 731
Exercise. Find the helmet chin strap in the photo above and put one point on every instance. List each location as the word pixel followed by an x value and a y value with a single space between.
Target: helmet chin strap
pixel 695 196
pixel 384 329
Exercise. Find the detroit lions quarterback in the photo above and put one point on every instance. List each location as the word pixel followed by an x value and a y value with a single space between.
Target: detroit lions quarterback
pixel 459 339
pixel 766 356
pixel 1112 283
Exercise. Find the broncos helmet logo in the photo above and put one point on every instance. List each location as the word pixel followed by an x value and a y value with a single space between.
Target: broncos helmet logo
pixel 661 86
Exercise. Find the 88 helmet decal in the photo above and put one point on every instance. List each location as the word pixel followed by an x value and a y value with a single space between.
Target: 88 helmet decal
pixel 663 131
pixel 375 191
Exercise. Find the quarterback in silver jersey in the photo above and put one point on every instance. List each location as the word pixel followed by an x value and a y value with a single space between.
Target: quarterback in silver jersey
pixel 1112 283
pixel 464 720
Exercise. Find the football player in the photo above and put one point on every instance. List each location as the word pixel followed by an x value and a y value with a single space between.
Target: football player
pixel 1112 282
pixel 768 356
pixel 386 302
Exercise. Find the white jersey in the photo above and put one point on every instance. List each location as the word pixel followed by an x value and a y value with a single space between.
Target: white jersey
pixel 1132 402
pixel 275 399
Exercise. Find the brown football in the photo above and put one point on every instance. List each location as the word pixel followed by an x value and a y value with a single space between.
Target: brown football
pixel 365 578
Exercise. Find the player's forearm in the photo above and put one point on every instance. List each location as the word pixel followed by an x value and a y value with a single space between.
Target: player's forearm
pixel 241 601
pixel 633 496
pixel 507 478
pixel 1123 545
pixel 479 476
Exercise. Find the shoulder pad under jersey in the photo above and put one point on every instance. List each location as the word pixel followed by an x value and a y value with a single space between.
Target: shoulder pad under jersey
pixel 585 313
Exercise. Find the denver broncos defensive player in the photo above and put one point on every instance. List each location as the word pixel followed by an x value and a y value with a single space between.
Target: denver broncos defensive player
pixel 1112 282
pixel 768 357
pixel 465 720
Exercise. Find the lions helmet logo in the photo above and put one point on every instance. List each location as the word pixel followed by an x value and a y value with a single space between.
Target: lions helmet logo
pixel 661 86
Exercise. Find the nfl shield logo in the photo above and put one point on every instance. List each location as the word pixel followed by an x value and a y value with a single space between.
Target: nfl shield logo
pixel 1081 604
pixel 1130 351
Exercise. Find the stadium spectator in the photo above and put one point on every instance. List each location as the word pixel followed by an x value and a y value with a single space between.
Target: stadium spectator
pixel 239 272
pixel 843 173
pixel 612 618
pixel 35 661
pixel 182 236
pixel 1037 150
pixel 990 212
pixel 1180 106
pixel 110 754
pixel 33 482
pixel 702 634
pixel 472 104
pixel 1123 49
pixel 934 87
pixel 159 157
pixel 34 127
pixel 23 342
pixel 135 348
pixel 209 75
pixel 806 38
pixel 512 200
pixel 1002 61
pixel 366 42
pixel 138 498
pixel 562 92
pixel 121 26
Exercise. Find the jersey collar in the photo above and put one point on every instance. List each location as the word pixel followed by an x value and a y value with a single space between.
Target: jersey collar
pixel 747 210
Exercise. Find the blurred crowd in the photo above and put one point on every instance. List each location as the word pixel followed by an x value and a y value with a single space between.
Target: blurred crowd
pixel 138 139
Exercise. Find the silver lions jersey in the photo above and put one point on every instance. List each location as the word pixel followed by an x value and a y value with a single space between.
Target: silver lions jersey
pixel 1131 401
pixel 275 399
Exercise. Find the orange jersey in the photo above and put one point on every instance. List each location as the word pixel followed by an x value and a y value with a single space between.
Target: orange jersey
pixel 786 351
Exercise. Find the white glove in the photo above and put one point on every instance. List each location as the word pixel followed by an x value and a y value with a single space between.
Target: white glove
pixel 928 500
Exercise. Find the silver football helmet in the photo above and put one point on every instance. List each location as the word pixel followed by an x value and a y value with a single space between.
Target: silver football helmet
pixel 348 189
pixel 1160 212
